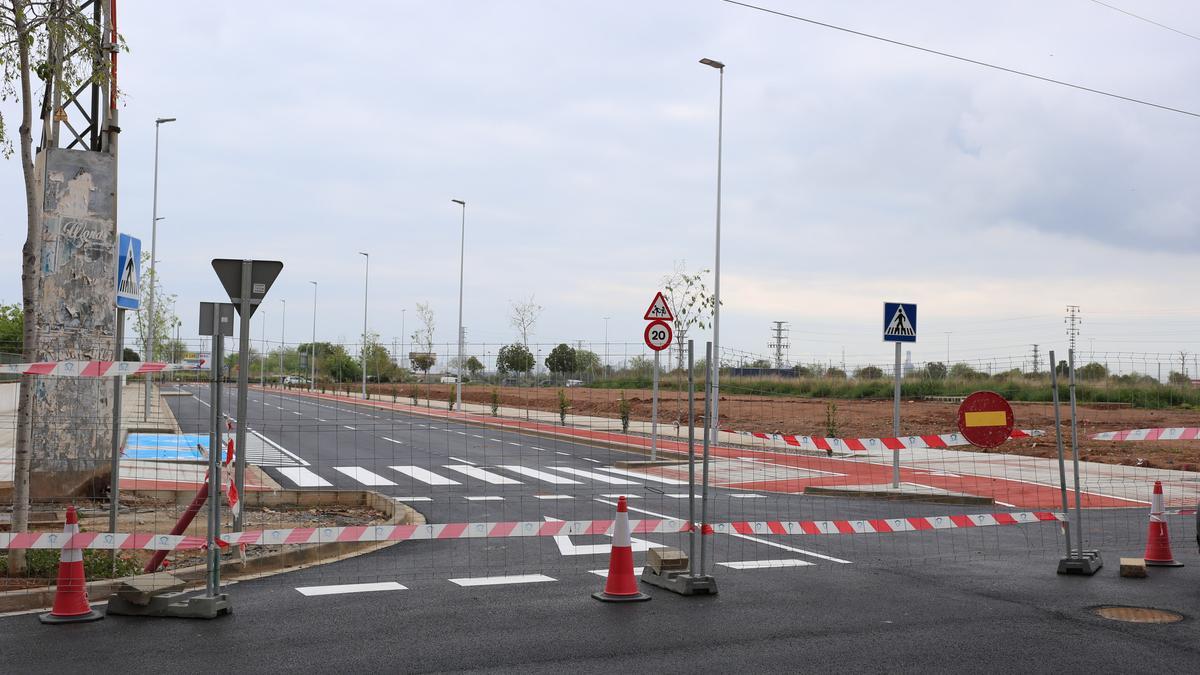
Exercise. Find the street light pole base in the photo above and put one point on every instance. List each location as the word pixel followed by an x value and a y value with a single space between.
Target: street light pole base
pixel 682 583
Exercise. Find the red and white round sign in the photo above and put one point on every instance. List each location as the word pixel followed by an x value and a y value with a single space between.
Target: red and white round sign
pixel 658 335
pixel 985 419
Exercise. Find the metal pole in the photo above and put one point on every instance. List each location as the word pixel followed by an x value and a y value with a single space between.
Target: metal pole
pixel 1075 454
pixel 896 421
pixel 604 369
pixel 150 301
pixel 262 355
pixel 312 347
pixel 114 490
pixel 654 413
pixel 239 467
pixel 1062 467
pixel 716 341
pixel 691 455
pixel 708 397
pixel 366 283
pixel 403 315
pixel 214 465
pixel 462 247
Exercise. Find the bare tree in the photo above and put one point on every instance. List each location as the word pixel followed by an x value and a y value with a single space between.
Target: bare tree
pixel 59 45
pixel 524 317
pixel 691 304
pixel 423 338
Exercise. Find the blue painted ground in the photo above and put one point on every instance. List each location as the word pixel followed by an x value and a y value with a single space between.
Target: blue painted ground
pixel 166 447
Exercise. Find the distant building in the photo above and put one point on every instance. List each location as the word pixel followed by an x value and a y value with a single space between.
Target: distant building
pixel 908 364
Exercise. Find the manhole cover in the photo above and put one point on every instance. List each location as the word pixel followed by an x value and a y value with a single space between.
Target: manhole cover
pixel 1138 614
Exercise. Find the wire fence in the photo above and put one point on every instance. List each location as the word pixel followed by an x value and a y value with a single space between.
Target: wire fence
pixel 522 477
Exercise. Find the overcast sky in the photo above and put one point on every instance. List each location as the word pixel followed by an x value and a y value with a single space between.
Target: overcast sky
pixel 583 138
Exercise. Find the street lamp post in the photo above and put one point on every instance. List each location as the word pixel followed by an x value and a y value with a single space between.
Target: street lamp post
pixel 604 368
pixel 715 366
pixel 312 346
pixel 403 313
pixel 363 356
pixel 462 247
pixel 262 357
pixel 153 257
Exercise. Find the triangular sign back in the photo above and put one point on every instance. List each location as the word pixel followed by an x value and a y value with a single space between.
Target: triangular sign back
pixel 659 309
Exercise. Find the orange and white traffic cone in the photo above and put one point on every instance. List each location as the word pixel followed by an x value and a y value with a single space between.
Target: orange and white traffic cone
pixel 1158 542
pixel 621 585
pixel 70 594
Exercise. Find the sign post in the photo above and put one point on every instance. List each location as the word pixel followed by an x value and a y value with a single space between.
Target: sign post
pixel 216 319
pixel 899 325
pixel 129 297
pixel 658 337
pixel 247 283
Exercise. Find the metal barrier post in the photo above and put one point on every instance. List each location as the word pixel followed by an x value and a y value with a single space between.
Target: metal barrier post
pixel 1078 561
pixel 1062 466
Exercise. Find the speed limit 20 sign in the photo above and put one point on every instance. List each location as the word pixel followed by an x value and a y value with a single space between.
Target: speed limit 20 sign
pixel 658 335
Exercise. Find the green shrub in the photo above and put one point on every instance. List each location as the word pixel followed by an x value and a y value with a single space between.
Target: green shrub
pixel 563 405
pixel 624 408
pixel 495 403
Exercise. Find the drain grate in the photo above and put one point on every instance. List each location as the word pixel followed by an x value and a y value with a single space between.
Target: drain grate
pixel 1138 614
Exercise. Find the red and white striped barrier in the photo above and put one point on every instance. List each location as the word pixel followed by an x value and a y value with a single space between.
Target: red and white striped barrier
pixel 535 528
pixel 1159 434
pixel 869 444
pixel 92 368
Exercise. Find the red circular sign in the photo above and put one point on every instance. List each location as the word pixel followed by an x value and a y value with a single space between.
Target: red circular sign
pixel 985 419
pixel 658 335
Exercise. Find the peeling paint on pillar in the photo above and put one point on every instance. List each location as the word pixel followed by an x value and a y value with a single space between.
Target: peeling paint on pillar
pixel 75 319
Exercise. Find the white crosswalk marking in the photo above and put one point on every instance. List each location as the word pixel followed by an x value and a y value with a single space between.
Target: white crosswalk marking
pixel 303 477
pixel 540 475
pixel 644 476
pixel 427 477
pixel 363 476
pixel 600 478
pixel 486 476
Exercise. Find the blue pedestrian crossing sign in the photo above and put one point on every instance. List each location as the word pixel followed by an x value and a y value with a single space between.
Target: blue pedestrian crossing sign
pixel 899 322
pixel 129 272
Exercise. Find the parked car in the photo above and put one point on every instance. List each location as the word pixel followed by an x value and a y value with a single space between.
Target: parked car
pixel 574 383
pixel 449 379
pixel 295 379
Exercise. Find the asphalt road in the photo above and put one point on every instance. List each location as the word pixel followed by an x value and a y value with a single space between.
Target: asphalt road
pixel 984 599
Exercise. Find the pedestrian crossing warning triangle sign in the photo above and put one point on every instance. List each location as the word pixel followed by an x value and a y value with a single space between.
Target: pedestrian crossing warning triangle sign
pixel 659 310
pixel 900 322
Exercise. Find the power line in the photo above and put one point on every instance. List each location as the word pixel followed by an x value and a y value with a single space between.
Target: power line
pixel 964 59
pixel 1142 18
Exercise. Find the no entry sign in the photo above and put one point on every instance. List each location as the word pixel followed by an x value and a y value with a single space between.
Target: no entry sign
pixel 985 419
pixel 658 335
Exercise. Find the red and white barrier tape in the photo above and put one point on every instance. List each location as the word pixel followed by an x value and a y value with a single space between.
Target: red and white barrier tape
pixel 869 444
pixel 92 368
pixel 1158 434
pixel 537 528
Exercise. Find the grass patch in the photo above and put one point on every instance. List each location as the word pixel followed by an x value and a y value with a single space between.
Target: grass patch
pixel 42 563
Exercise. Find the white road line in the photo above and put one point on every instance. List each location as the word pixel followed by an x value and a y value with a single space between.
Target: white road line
pixel 414 499
pixel 461 433
pixel 765 564
pixel 278 447
pixel 294 412
pixel 496 440
pixel 363 476
pixel 625 496
pixel 476 436
pixel 540 475
pixel 644 476
pixel 516 444
pixel 553 497
pixel 351 588
pixel 537 448
pixel 564 454
pixel 427 477
pixel 321 420
pixel 598 477
pixel 743 536
pixel 392 440
pixel 347 426
pixel 675 495
pixel 594 461
pixel 484 499
pixel 741 496
pixel 303 477
pixel 459 460
pixel 486 476
pixel 500 581
pixel 637 571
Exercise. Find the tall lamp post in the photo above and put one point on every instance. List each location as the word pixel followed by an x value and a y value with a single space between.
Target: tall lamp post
pixel 312 346
pixel 363 356
pixel 153 257
pixel 715 366
pixel 462 247
pixel 604 368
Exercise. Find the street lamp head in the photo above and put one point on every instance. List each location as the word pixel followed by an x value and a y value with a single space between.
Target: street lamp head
pixel 366 254
pixel 715 64
pixel 164 120
pixel 313 283
pixel 459 201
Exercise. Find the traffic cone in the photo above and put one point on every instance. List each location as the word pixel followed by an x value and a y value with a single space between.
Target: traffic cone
pixel 70 594
pixel 1158 542
pixel 621 585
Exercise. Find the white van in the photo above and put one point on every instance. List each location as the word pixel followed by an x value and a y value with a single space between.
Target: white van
pixel 449 379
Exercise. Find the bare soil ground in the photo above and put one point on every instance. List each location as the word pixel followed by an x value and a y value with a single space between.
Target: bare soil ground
pixel 861 418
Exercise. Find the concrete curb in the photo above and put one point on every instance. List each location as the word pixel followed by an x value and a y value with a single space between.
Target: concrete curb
pixel 299 556
pixel 887 495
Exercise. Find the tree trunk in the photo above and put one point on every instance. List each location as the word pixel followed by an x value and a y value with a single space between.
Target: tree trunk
pixel 22 458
